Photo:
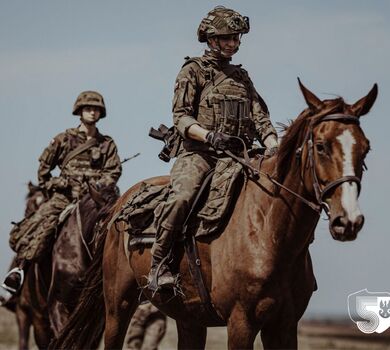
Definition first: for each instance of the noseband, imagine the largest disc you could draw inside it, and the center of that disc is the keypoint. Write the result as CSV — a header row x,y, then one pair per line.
x,y
308,140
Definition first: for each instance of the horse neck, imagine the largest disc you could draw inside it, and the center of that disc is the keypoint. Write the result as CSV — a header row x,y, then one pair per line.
x,y
76,232
284,223
88,212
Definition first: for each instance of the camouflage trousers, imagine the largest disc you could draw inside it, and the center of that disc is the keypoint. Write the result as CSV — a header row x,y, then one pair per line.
x,y
187,176
34,236
147,328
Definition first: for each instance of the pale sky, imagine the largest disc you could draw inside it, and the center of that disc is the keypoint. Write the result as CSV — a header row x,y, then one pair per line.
x,y
132,51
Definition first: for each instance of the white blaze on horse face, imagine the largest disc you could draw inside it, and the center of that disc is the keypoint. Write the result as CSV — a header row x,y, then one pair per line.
x,y
349,198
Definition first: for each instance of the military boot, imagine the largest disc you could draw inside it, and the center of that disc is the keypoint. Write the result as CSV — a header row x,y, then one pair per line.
x,y
160,275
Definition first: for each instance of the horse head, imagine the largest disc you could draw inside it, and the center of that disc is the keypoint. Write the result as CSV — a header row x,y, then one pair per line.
x,y
332,153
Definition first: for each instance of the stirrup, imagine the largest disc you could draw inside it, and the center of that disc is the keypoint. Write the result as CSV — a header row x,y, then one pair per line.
x,y
21,274
153,284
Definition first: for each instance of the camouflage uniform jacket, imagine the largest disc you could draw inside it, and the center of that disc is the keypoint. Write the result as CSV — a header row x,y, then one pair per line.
x,y
99,164
189,110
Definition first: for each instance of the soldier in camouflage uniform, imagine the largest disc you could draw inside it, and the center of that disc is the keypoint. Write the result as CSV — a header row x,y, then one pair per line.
x,y
84,156
147,328
214,103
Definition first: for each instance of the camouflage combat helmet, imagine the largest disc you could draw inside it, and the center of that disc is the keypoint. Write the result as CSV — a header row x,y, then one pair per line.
x,y
222,21
89,98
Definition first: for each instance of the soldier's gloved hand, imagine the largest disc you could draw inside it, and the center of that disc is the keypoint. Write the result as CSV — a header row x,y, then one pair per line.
x,y
221,141
271,142
269,152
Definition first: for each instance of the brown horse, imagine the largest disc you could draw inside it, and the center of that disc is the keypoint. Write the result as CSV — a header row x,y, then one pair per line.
x,y
258,271
52,285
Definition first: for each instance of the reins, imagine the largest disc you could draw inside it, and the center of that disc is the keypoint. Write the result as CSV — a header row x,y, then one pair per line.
x,y
80,227
308,140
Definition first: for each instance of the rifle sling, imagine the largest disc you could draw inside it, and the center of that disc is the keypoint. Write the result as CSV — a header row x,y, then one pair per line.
x,y
79,149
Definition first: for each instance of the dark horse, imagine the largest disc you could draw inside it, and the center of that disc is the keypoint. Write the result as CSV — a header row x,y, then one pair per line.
x,y
258,271
35,197
52,285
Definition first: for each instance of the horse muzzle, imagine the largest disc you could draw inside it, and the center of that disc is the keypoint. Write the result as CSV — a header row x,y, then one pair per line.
x,y
344,229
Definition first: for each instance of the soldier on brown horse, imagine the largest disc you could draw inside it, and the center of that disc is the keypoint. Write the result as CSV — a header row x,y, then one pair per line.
x,y
258,271
215,108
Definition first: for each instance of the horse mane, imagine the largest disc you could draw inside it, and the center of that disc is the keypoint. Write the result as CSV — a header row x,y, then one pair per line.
x,y
296,131
109,194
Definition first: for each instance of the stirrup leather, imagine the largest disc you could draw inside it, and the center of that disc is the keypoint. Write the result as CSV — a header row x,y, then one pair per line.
x,y
21,274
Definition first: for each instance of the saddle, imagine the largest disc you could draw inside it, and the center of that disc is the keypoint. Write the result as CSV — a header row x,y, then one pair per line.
x,y
213,203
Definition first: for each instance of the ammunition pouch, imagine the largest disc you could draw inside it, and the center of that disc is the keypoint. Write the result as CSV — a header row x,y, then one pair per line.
x,y
171,139
233,118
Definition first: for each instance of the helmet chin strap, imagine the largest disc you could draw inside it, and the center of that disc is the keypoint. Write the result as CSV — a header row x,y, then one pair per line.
x,y
219,53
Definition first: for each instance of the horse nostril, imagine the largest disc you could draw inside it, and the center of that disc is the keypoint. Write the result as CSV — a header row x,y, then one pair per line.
x,y
359,222
340,221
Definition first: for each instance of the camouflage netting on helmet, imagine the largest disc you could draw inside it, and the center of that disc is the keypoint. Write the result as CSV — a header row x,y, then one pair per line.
x,y
222,21
89,98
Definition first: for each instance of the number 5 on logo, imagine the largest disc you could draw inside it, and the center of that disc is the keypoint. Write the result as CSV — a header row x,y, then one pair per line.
x,y
370,311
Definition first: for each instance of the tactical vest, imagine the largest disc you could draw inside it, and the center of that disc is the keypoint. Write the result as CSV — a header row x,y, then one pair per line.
x,y
85,167
227,106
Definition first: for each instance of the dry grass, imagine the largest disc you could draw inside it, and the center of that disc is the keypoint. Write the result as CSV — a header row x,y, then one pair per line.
x,y
313,335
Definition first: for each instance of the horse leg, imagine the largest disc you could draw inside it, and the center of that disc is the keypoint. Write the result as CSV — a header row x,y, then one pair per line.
x,y
120,291
279,336
190,335
59,315
42,332
24,322
241,333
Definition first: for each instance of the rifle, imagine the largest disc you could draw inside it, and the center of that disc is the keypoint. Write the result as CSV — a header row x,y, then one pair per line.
x,y
127,159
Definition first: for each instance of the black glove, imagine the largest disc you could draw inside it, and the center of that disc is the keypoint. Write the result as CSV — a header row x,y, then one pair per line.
x,y
222,142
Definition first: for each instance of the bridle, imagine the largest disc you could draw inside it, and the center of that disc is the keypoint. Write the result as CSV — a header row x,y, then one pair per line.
x,y
320,193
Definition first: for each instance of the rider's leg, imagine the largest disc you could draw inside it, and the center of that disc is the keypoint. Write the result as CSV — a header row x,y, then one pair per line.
x,y
187,176
33,238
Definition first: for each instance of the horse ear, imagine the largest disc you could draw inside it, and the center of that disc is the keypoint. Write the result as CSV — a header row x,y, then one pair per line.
x,y
364,105
31,186
314,103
